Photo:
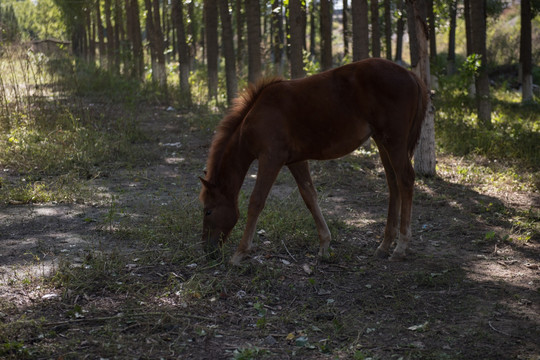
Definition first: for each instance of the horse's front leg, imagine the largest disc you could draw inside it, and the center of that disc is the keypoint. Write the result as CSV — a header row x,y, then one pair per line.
x,y
266,176
301,174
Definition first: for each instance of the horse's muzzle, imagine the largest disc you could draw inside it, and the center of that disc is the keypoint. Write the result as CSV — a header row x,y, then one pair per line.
x,y
212,242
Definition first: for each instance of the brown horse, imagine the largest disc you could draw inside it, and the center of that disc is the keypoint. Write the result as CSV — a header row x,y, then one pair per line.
x,y
324,116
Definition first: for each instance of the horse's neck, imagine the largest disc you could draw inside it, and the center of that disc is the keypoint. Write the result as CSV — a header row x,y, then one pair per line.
x,y
233,168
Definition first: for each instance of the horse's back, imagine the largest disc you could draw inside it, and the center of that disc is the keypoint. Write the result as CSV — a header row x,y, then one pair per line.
x,y
330,114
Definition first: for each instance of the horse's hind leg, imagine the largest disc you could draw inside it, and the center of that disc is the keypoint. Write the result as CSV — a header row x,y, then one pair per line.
x,y
405,181
300,171
392,222
266,176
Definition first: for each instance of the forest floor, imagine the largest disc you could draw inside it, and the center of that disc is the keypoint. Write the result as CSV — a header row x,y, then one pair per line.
x,y
119,273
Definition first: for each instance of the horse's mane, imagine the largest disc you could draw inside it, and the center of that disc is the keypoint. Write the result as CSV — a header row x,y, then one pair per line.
x,y
231,122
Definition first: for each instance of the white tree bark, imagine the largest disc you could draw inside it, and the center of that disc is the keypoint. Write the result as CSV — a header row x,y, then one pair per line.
x,y
424,155
527,87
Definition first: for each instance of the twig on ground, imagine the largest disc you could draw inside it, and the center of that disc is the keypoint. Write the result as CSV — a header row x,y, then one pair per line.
x,y
501,332
288,252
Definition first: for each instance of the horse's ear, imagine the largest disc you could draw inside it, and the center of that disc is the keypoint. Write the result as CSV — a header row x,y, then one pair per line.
x,y
206,183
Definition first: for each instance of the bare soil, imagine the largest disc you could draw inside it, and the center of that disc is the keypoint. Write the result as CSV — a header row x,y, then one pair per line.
x,y
470,288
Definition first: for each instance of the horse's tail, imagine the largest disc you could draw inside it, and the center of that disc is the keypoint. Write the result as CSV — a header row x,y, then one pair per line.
x,y
419,116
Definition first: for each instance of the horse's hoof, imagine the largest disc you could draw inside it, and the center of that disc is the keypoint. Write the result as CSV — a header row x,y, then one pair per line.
x,y
236,259
381,254
398,256
324,253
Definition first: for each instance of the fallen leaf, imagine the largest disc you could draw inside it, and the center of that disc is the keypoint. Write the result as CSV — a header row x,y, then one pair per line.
x,y
307,269
323,292
301,341
49,296
419,327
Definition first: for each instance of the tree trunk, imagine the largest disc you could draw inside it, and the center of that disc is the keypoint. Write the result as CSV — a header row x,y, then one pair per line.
x,y
211,30
388,28
110,36
375,30
130,64
326,34
253,12
432,33
150,34
183,50
313,31
303,14
469,43
411,27
266,24
525,52
228,50
138,53
130,27
118,21
77,39
468,36
424,155
451,67
240,25
399,32
166,28
123,35
101,35
193,30
278,39
295,21
478,32
287,31
91,33
155,36
359,9
345,18
160,47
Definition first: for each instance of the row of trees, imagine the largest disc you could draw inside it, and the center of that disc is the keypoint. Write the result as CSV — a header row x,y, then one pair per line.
x,y
23,20
118,33
9,25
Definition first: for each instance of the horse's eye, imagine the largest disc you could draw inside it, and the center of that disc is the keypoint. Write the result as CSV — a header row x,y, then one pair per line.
x,y
207,212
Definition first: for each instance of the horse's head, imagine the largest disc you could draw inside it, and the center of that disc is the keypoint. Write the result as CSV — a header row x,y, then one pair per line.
x,y
220,216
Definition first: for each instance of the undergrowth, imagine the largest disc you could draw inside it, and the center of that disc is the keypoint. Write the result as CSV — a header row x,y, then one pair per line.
x,y
51,139
513,136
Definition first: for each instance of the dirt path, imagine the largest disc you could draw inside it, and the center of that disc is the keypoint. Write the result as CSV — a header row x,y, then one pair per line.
x,y
463,293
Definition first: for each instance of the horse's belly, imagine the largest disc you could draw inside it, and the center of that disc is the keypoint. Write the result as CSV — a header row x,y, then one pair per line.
x,y
336,150
333,143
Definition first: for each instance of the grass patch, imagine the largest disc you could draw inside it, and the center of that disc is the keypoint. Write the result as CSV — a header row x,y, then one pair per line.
x,y
50,141
515,131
